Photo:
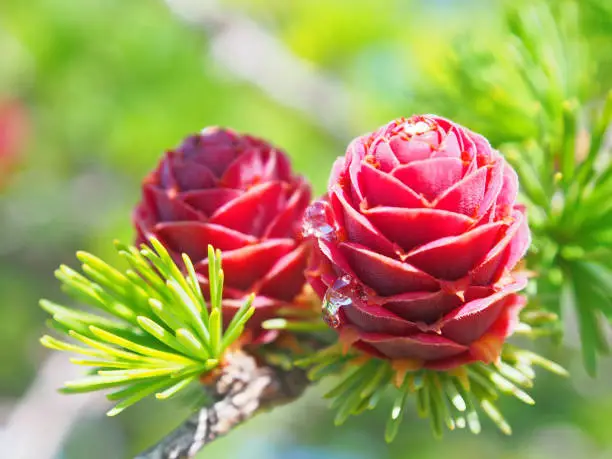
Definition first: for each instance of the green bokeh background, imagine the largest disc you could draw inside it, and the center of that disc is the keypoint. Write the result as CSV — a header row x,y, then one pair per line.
x,y
110,84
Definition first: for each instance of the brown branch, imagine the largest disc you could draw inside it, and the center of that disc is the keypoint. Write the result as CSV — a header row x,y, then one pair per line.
x,y
243,388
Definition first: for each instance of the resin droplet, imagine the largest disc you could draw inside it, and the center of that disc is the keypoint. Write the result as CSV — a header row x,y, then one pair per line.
x,y
318,222
337,297
420,127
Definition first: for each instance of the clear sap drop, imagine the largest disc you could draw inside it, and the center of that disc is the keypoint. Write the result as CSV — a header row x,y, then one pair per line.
x,y
337,297
317,222
420,127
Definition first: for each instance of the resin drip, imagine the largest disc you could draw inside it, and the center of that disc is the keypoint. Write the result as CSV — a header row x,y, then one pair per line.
x,y
338,297
318,223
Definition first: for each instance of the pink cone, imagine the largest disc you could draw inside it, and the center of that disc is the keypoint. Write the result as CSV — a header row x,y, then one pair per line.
x,y
14,127
239,194
417,239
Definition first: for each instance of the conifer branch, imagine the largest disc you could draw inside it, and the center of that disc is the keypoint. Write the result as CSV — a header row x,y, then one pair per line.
x,y
149,331
243,389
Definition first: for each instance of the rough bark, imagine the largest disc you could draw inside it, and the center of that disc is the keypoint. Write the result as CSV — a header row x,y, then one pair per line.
x,y
243,388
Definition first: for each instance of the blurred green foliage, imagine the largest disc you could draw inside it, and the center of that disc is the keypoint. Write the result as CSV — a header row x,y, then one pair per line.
x,y
110,84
